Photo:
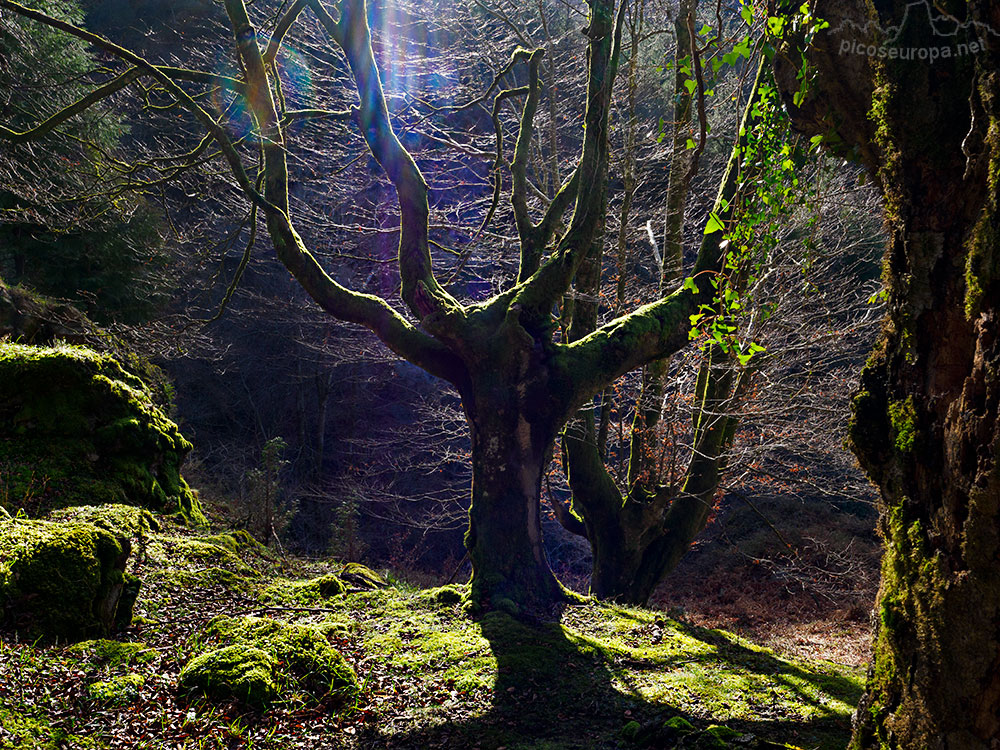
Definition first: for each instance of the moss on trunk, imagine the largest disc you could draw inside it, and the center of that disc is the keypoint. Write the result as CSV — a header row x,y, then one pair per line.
x,y
926,422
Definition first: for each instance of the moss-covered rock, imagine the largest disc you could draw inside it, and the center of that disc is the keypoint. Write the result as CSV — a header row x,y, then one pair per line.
x,y
120,690
239,671
358,576
60,580
121,520
677,726
113,653
261,661
444,594
77,429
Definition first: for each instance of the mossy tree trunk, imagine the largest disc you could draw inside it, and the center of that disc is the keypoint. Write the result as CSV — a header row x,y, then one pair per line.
x,y
639,532
511,445
926,422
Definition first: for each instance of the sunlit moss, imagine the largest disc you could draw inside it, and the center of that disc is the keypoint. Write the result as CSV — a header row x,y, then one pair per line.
x,y
113,653
261,661
81,430
309,592
59,581
120,690
21,730
637,654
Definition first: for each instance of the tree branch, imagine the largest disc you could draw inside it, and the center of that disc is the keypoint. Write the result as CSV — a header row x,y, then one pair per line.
x,y
368,310
660,328
544,288
47,126
440,313
207,121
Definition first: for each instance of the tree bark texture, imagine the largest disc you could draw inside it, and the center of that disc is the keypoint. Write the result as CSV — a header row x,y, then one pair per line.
x,y
925,422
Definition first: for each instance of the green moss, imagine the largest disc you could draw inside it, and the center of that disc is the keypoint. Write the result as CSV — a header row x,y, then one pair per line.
x,y
708,675
445,594
679,725
212,576
120,690
235,541
903,417
201,551
305,593
982,264
113,653
715,735
59,580
121,520
21,730
301,666
359,576
239,671
630,732
80,430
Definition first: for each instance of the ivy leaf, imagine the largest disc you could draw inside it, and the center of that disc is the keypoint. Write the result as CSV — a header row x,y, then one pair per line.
x,y
714,224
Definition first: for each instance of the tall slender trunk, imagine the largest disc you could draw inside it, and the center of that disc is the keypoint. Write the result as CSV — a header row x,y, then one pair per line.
x,y
640,532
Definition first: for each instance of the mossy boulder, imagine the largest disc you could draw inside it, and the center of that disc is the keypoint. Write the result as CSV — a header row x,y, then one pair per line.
x,y
260,662
61,581
78,429
120,690
304,593
113,653
360,577
449,594
120,520
240,672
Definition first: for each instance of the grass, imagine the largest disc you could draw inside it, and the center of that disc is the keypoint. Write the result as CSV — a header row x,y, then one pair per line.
x,y
431,677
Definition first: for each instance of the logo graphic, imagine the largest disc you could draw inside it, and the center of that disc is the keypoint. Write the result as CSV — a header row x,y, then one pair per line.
x,y
949,37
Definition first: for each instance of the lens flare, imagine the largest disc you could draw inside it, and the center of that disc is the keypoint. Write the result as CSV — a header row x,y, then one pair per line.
x,y
296,86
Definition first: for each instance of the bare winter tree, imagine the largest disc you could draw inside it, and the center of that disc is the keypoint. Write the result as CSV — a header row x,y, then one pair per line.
x,y
520,375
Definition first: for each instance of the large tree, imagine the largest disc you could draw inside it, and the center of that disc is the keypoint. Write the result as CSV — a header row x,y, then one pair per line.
x,y
519,374
914,93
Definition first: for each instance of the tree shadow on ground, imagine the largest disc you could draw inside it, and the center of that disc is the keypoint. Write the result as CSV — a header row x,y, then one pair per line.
x,y
558,689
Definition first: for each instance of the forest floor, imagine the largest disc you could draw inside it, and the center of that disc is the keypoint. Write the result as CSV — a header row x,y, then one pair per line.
x,y
596,676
